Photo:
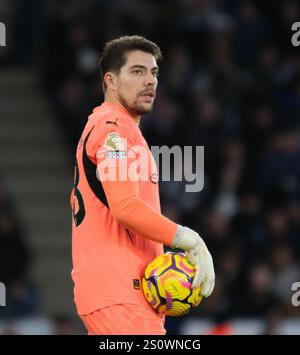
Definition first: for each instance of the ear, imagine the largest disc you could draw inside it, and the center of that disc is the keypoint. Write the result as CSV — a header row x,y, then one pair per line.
x,y
110,80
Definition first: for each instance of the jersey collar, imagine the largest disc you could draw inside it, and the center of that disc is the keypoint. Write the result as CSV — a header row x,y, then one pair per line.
x,y
117,108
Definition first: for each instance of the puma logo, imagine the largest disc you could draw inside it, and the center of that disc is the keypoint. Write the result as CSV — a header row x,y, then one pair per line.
x,y
111,122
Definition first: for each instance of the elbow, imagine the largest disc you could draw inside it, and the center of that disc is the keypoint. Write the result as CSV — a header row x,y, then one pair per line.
x,y
117,215
121,218
122,212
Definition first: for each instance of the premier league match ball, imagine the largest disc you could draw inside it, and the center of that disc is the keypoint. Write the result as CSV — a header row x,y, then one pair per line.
x,y
167,283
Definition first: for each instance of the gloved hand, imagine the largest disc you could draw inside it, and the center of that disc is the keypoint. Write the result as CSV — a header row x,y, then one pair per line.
x,y
199,256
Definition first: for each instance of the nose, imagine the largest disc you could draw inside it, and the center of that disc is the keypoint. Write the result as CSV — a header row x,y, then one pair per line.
x,y
150,79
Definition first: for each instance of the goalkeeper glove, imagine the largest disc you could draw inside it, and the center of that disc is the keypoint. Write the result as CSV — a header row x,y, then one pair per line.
x,y
199,256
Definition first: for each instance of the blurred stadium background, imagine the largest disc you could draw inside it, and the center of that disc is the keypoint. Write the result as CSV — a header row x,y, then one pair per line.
x,y
230,81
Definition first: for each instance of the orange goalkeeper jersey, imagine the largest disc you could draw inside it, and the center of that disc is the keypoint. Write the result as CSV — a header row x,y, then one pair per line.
x,y
117,227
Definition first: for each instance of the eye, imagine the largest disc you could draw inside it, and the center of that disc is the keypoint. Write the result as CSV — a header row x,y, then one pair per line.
x,y
156,74
138,71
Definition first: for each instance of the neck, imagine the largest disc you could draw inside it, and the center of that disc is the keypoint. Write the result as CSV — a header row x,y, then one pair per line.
x,y
113,100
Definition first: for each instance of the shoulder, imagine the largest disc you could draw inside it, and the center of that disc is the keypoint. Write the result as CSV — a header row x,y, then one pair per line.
x,y
108,126
108,120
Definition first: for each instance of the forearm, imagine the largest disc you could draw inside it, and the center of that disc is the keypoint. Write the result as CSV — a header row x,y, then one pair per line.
x,y
136,215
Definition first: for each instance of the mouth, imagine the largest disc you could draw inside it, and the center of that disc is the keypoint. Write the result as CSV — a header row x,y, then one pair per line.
x,y
148,95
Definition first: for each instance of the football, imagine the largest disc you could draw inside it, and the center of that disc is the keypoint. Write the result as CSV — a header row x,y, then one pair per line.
x,y
167,283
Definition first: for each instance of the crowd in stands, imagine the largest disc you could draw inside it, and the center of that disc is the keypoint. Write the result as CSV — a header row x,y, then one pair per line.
x,y
15,258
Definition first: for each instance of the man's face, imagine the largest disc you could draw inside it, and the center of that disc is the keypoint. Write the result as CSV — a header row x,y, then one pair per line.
x,y
136,82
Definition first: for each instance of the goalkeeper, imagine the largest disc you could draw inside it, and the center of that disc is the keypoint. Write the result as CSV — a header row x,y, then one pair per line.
x,y
117,226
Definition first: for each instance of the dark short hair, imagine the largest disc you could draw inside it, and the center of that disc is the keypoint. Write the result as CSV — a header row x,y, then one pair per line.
x,y
115,51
